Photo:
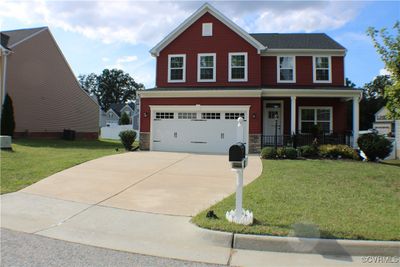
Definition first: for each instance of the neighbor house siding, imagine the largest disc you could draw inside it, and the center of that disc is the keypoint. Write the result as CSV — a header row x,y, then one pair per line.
x,y
45,93
255,126
191,42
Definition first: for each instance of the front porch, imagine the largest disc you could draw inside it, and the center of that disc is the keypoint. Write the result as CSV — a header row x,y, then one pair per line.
x,y
297,117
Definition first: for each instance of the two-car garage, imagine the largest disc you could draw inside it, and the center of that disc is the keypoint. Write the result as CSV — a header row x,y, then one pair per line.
x,y
203,129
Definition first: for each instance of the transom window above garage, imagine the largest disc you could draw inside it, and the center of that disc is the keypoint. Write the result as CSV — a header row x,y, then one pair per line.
x,y
164,115
234,116
187,115
211,116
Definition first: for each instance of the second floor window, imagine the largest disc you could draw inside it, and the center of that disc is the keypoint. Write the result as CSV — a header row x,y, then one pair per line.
x,y
206,68
286,69
322,72
176,68
237,67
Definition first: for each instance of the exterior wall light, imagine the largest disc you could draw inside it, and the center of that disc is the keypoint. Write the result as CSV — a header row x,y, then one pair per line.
x,y
254,115
146,114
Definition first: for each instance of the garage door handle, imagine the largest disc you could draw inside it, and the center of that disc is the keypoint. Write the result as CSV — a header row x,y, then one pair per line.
x,y
198,142
175,134
156,141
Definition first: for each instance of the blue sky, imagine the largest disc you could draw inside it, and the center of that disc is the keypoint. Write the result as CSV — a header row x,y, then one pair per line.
x,y
94,35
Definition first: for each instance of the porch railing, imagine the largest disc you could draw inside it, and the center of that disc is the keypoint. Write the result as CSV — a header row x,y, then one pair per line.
x,y
297,140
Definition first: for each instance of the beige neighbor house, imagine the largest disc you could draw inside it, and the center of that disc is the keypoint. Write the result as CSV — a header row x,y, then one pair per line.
x,y
46,96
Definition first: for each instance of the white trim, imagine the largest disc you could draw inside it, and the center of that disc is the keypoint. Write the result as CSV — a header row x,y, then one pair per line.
x,y
200,93
282,113
155,51
28,37
356,120
283,92
315,115
214,55
205,27
245,66
278,69
183,68
199,109
293,110
310,52
110,109
126,105
315,69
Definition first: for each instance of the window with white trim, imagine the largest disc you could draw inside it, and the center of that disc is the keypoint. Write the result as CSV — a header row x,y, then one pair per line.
x,y
312,116
237,67
210,116
286,69
164,115
207,29
234,116
322,69
187,115
206,67
176,68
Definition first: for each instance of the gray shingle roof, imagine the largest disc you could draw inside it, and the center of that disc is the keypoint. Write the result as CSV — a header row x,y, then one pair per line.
x,y
116,107
297,41
19,35
4,40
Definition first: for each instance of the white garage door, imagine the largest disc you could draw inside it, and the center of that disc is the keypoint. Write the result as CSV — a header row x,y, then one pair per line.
x,y
191,130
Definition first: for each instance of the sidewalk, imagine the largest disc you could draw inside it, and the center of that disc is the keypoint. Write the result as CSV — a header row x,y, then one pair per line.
x,y
145,233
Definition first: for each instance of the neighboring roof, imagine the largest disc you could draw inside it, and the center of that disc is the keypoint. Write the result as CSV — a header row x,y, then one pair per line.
x,y
297,41
4,40
194,17
18,36
382,111
117,107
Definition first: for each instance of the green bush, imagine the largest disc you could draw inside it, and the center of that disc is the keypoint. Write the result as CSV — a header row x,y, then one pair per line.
x,y
337,151
268,153
281,153
7,117
127,139
374,146
124,120
308,151
291,153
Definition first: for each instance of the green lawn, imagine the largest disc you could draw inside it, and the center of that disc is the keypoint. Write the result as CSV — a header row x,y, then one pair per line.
x,y
326,198
33,160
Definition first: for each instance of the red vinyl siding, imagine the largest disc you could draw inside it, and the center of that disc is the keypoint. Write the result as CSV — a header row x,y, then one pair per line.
x,y
268,70
304,70
191,42
338,71
254,103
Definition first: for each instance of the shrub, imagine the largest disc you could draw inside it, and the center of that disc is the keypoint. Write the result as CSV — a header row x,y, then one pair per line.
x,y
7,117
124,120
374,146
268,153
308,151
127,139
291,153
337,151
281,153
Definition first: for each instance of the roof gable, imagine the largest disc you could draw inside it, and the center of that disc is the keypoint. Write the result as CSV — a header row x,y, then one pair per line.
x,y
18,36
194,17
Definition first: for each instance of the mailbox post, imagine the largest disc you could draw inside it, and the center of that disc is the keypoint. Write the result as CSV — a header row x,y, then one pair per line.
x,y
238,160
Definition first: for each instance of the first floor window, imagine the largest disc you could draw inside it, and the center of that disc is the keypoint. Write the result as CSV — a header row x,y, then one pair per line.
x,y
206,68
176,68
319,118
237,67
286,69
322,69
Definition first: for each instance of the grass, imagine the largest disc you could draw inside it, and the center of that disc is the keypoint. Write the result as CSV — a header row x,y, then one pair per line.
x,y
394,162
318,198
33,160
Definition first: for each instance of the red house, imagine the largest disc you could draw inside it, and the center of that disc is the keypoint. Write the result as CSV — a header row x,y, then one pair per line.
x,y
210,72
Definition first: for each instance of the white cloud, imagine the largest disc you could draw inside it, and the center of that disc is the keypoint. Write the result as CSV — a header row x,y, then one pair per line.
x,y
384,72
148,22
126,59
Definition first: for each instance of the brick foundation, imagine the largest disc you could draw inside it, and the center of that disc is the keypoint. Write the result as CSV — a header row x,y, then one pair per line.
x,y
55,135
144,141
254,143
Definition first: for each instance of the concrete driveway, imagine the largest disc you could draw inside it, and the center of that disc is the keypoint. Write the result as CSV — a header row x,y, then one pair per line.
x,y
155,182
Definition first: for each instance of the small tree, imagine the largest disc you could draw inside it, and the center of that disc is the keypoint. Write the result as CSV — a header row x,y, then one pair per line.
x,y
374,146
7,117
124,120
127,139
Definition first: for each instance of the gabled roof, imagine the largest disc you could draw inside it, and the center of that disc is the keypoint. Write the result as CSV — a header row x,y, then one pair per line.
x,y
4,41
194,17
117,107
18,36
297,41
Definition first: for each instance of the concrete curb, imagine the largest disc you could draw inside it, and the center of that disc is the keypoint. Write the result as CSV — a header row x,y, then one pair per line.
x,y
316,245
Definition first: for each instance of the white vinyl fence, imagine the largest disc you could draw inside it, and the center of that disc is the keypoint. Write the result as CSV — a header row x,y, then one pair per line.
x,y
112,132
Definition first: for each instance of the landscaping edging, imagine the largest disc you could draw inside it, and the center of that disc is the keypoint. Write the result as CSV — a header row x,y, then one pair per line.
x,y
316,245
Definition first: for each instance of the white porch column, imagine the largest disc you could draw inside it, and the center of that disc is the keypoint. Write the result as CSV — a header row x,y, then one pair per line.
x,y
356,120
293,114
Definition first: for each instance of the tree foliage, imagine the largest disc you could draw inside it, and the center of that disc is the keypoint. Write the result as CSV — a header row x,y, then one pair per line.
x,y
124,120
111,86
388,48
7,117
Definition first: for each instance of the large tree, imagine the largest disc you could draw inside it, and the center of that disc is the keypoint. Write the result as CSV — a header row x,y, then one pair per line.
x,y
111,86
389,49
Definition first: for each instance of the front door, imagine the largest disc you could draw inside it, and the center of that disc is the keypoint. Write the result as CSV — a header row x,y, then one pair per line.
x,y
273,117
